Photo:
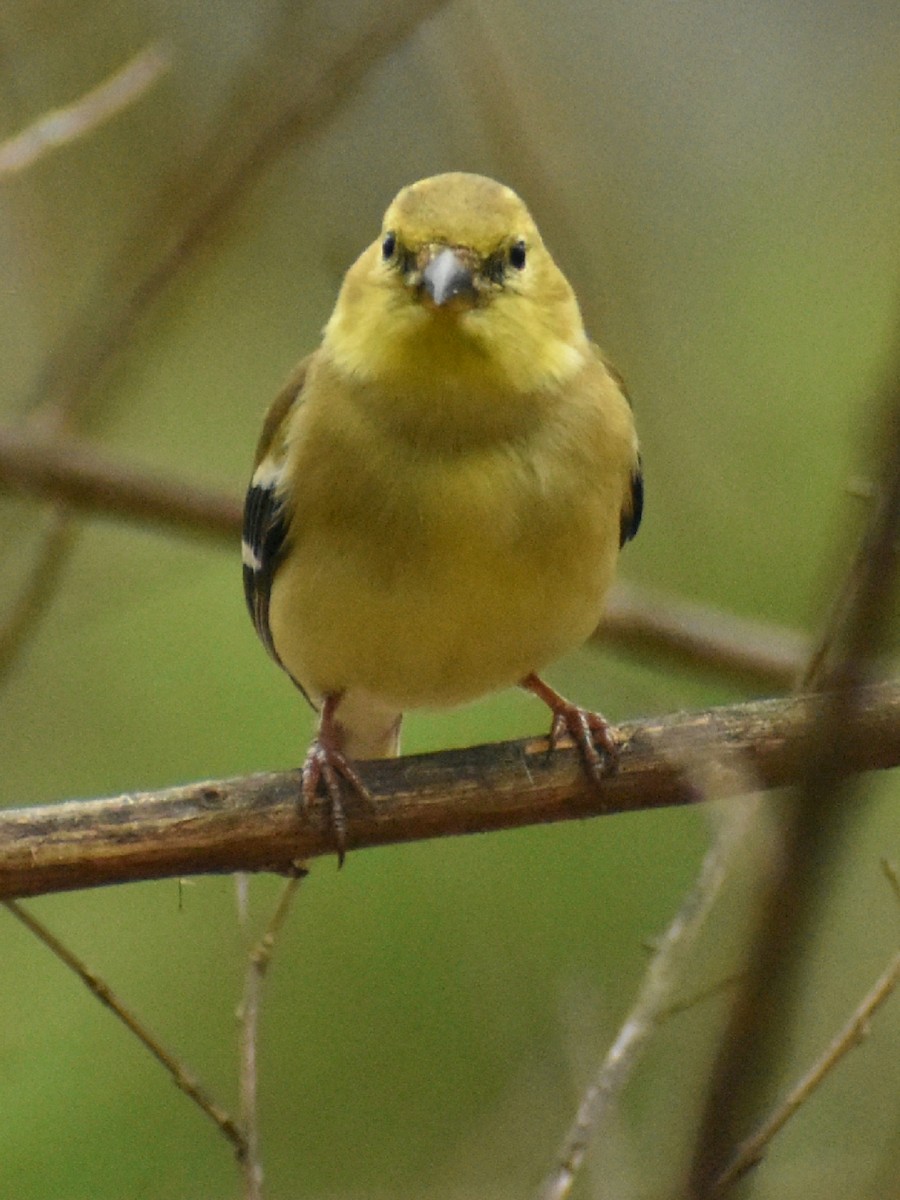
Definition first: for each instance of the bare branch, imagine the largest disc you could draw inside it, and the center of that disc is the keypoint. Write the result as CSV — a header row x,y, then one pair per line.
x,y
183,1079
65,125
256,823
750,1151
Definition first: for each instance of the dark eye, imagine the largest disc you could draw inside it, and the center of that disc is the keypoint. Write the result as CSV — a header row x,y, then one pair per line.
x,y
517,255
389,245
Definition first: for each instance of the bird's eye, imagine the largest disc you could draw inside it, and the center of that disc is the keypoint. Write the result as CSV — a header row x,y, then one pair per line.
x,y
517,255
389,245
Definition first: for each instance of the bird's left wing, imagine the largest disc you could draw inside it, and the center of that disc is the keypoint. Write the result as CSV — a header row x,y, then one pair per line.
x,y
267,514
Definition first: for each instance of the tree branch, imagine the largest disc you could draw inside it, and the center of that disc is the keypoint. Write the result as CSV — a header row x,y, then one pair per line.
x,y
255,823
73,472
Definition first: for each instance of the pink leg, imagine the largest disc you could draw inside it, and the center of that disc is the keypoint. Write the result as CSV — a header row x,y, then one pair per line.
x,y
590,732
325,764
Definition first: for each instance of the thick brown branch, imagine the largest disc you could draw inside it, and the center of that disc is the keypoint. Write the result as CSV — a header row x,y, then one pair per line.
x,y
255,823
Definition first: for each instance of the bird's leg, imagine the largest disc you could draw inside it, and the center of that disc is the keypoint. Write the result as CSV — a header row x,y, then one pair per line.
x,y
590,732
325,764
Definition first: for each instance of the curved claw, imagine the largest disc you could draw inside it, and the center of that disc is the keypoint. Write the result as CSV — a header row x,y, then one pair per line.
x,y
326,764
590,731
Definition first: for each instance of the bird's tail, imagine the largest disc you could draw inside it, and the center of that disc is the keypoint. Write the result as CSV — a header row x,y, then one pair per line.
x,y
370,728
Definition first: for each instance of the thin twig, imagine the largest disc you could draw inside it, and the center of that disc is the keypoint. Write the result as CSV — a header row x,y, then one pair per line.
x,y
701,995
257,823
826,646
257,964
652,1004
64,125
183,1079
750,1151
37,590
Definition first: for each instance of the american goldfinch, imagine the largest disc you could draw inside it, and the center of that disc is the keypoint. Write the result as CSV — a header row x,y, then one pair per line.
x,y
441,489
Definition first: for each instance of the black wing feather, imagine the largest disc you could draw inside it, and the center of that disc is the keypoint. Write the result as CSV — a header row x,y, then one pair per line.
x,y
267,515
630,520
265,542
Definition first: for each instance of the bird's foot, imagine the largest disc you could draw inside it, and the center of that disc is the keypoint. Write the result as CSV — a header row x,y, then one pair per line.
x,y
590,731
325,767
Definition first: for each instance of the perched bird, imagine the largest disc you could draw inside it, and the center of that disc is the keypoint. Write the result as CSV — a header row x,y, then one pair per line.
x,y
441,489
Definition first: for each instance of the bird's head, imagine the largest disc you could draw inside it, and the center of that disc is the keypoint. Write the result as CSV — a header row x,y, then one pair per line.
x,y
458,286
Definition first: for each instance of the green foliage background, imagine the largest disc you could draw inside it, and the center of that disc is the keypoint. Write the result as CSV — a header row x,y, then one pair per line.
x,y
720,182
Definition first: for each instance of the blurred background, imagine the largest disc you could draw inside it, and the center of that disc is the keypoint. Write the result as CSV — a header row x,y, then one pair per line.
x,y
720,183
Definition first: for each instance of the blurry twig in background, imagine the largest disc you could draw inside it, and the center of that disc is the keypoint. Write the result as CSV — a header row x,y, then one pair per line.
x,y
653,1003
183,1079
254,823
749,1153
76,120
681,632
71,472
650,624
811,827
891,875
37,589
821,660
710,992
257,965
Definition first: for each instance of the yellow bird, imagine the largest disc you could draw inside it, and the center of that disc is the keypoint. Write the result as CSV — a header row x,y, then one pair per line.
x,y
442,488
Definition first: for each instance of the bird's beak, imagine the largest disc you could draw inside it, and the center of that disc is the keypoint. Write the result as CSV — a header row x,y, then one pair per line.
x,y
446,276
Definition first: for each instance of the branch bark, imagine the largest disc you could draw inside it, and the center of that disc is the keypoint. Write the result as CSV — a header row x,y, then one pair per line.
x,y
255,823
